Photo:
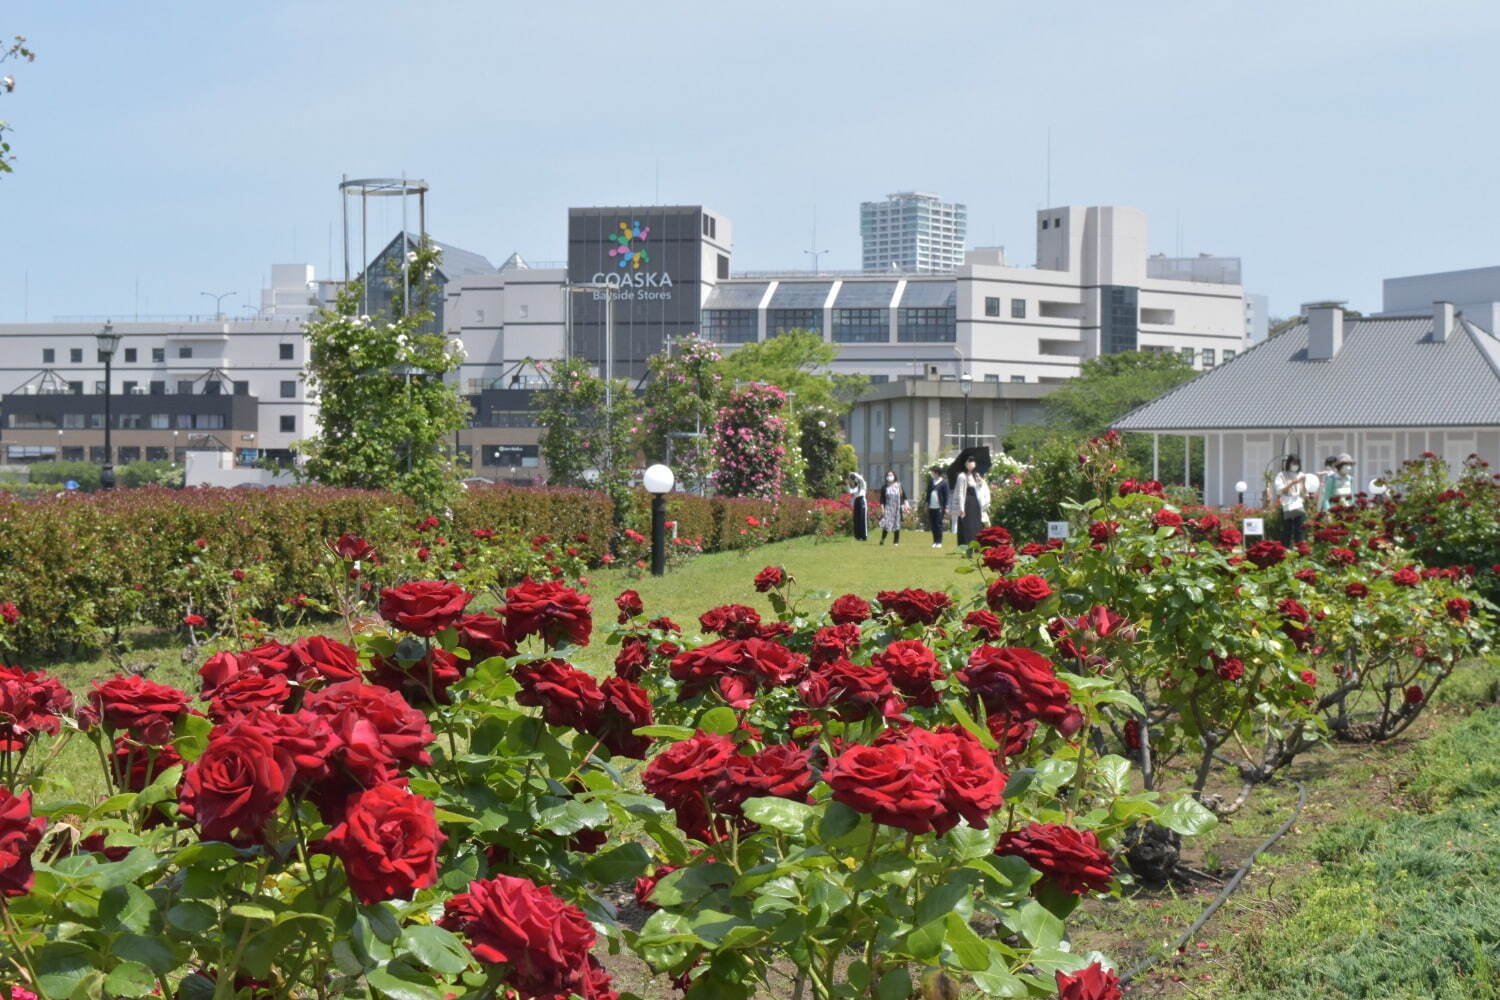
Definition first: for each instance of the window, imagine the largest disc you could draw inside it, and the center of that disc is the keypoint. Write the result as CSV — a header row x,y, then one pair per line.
x,y
288,390
161,421
184,352
156,454
184,421
73,420
209,421
158,354
131,421
1017,308
779,321
288,424
1018,378
1210,357
1228,356
1187,354
931,324
131,388
992,305
75,388
1057,223
130,355
30,452
129,454
1044,223
157,388
992,378
861,326
879,379
723,268
97,454
99,387
49,356
184,387
523,456
1119,327
72,454
30,421
525,312
213,387
286,351
730,326
242,388
75,355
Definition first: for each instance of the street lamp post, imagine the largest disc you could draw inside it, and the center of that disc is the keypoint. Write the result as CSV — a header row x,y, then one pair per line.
x,y
890,447
658,481
965,383
218,301
1240,488
107,341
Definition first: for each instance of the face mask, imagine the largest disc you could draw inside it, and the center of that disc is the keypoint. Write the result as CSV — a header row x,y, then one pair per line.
x,y
890,479
1294,467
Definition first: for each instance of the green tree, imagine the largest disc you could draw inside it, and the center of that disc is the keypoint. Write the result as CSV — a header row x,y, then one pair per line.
x,y
682,398
386,411
581,433
818,428
15,50
798,362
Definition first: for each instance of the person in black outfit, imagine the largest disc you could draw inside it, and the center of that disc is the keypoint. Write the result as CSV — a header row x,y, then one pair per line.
x,y
937,505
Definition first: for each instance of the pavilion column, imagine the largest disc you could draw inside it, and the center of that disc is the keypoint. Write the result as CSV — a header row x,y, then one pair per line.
x,y
1156,457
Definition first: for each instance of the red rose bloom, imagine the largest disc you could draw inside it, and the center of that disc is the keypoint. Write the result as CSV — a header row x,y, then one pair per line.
x,y
1091,983
631,660
352,547
566,695
549,609
894,783
320,658
1000,558
1357,590
1342,557
627,707
854,689
306,738
1102,531
732,621
1414,695
233,790
782,771
1021,684
484,636
1013,735
1166,519
1266,553
1405,577
19,834
834,642
1026,592
987,625
543,941
848,610
686,770
1458,608
912,667
148,710
1229,668
195,621
915,607
992,536
630,605
10,612
424,607
389,842
972,784
1291,609
378,731
249,692
739,666
1229,538
30,703
1070,860
770,578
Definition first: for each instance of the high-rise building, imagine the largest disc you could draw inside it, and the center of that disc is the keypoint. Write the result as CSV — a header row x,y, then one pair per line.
x,y
912,231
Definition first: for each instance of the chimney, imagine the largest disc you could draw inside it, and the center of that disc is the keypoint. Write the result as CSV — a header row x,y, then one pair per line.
x,y
1442,322
1325,330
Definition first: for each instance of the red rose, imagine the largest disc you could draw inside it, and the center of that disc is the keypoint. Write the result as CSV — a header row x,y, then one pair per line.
x,y
1092,983
424,607
770,578
739,666
30,703
1070,860
194,621
1026,592
627,707
233,790
972,784
566,695
1165,518
894,783
1012,734
1102,531
552,610
834,642
1309,677
388,841
1405,577
1266,553
543,942
1229,538
1229,668
732,621
248,692
273,658
484,636
1033,549
1000,558
686,770
634,655
992,536
305,737
1293,610
19,834
664,624
148,710
645,885
1022,684
985,623
378,732
912,667
320,658
630,605
854,689
1414,695
423,682
351,547
782,771
915,607
848,610
10,612
1357,590
1458,608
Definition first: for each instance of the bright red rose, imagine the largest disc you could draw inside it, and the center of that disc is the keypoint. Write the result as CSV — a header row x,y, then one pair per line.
x,y
1229,668
389,842
552,610
1266,553
634,655
972,784
849,610
249,691
1070,860
1033,549
1026,592
627,707
1102,531
833,642
1165,518
894,783
1291,609
1091,983
1228,538
854,689
1405,577
10,612
1414,695
770,578
233,790
912,667
738,666
378,731
352,547
1342,557
424,607
630,605
1022,684
732,621
992,536
1309,677
1000,558
484,636
1013,735
273,658
1458,608
148,710
543,942
566,695
424,682
782,771
686,770
915,607
985,623
1357,590
30,703
321,658
307,739
19,834
194,621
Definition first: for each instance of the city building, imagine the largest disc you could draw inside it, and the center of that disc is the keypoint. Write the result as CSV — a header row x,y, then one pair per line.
x,y
1383,389
913,232
386,284
1474,292
1211,269
1257,318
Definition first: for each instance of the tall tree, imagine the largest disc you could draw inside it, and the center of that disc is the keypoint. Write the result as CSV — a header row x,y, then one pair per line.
x,y
586,440
679,406
386,412
798,362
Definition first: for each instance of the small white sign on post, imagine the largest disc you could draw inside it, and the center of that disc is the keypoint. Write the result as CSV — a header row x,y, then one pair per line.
x,y
1057,529
1254,526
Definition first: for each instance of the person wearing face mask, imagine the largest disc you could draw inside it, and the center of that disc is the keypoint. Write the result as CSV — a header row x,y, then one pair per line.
x,y
970,500
1338,485
1290,487
893,507
854,484
937,505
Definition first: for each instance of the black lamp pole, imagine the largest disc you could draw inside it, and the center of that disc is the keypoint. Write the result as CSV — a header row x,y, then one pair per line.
x,y
107,340
658,534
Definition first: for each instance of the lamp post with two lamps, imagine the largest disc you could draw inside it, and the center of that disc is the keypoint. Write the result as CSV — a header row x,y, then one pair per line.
x,y
108,341
658,481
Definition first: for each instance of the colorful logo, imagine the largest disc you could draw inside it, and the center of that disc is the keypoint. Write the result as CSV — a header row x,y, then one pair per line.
x,y
630,246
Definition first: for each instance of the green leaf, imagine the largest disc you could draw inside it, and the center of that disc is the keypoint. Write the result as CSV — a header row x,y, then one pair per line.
x,y
573,816
838,821
1036,924
252,912
190,736
130,979
619,864
981,733
61,966
138,862
1052,774
970,951
1187,816
894,985
192,917
399,982
925,943
779,814
151,952
126,906
675,733
440,950
1019,782
719,720
1114,773
688,885
945,897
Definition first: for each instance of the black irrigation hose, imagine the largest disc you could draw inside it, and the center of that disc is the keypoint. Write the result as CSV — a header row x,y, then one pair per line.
x,y
1225,893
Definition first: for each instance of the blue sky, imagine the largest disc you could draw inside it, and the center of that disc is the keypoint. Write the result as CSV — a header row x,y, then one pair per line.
x,y
184,147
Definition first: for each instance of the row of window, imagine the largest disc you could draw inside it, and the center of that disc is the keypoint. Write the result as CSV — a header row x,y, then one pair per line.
x,y
130,421
914,324
158,354
185,387
992,307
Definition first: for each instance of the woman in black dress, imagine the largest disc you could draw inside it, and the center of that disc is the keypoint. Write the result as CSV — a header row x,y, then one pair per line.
x,y
857,490
968,503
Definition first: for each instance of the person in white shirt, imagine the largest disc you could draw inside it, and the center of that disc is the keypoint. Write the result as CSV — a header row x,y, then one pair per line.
x,y
1292,492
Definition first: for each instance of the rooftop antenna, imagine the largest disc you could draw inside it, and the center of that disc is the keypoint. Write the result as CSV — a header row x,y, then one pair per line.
x,y
815,253
1049,168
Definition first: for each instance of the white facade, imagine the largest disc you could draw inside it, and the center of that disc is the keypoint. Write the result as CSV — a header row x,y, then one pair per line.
x,y
914,232
1257,318
519,313
1474,292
